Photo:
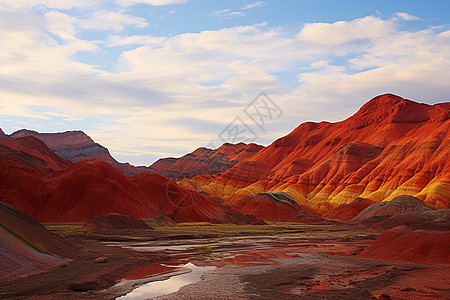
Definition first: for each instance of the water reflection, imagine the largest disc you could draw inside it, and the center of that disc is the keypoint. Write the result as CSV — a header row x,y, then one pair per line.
x,y
168,286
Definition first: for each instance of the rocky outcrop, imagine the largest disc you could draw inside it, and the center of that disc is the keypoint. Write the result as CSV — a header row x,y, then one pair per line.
x,y
402,211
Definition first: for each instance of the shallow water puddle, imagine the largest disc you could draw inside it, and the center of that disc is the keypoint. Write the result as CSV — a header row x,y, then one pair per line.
x,y
187,274
150,270
159,279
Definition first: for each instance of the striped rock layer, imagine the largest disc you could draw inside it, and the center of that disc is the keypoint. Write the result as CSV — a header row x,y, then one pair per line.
x,y
390,147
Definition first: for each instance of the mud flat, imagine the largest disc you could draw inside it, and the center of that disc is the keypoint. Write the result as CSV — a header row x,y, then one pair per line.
x,y
277,261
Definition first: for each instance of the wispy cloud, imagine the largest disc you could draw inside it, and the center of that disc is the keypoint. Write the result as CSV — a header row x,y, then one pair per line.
x,y
406,16
151,2
255,4
117,40
228,13
111,20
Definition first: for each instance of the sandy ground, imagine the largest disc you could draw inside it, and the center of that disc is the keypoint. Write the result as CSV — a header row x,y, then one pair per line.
x,y
319,277
299,265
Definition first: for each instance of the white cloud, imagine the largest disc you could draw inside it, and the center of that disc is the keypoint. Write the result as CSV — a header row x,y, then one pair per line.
x,y
228,13
406,16
21,5
219,13
116,40
343,32
253,5
111,20
236,14
60,24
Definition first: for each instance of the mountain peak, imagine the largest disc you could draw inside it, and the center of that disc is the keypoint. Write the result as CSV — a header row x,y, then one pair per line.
x,y
2,134
71,139
389,108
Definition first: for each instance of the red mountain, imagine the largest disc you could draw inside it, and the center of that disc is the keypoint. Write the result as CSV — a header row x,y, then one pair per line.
x,y
390,147
205,161
77,146
50,189
90,189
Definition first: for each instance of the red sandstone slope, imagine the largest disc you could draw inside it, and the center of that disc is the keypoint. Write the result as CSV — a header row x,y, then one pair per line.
x,y
23,163
404,244
90,189
205,161
27,247
391,146
277,207
182,205
29,151
346,212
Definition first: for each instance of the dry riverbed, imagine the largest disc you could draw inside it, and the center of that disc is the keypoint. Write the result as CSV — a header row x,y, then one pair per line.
x,y
203,261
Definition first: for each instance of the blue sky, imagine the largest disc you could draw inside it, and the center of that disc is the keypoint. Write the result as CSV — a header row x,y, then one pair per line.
x,y
157,78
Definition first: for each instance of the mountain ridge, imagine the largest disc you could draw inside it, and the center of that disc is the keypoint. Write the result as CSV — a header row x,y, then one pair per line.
x,y
390,146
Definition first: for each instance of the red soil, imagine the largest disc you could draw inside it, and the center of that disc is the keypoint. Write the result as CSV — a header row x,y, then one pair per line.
x,y
404,244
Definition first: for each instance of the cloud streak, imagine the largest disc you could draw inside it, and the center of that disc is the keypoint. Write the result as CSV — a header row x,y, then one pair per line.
x,y
227,13
253,5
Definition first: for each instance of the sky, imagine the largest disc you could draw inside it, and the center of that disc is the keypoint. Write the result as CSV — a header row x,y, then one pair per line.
x,y
157,78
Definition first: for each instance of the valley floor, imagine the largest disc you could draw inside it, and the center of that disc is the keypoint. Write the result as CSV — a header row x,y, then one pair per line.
x,y
276,261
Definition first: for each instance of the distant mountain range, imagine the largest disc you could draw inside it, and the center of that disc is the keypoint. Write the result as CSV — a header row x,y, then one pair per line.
x,y
77,146
390,147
